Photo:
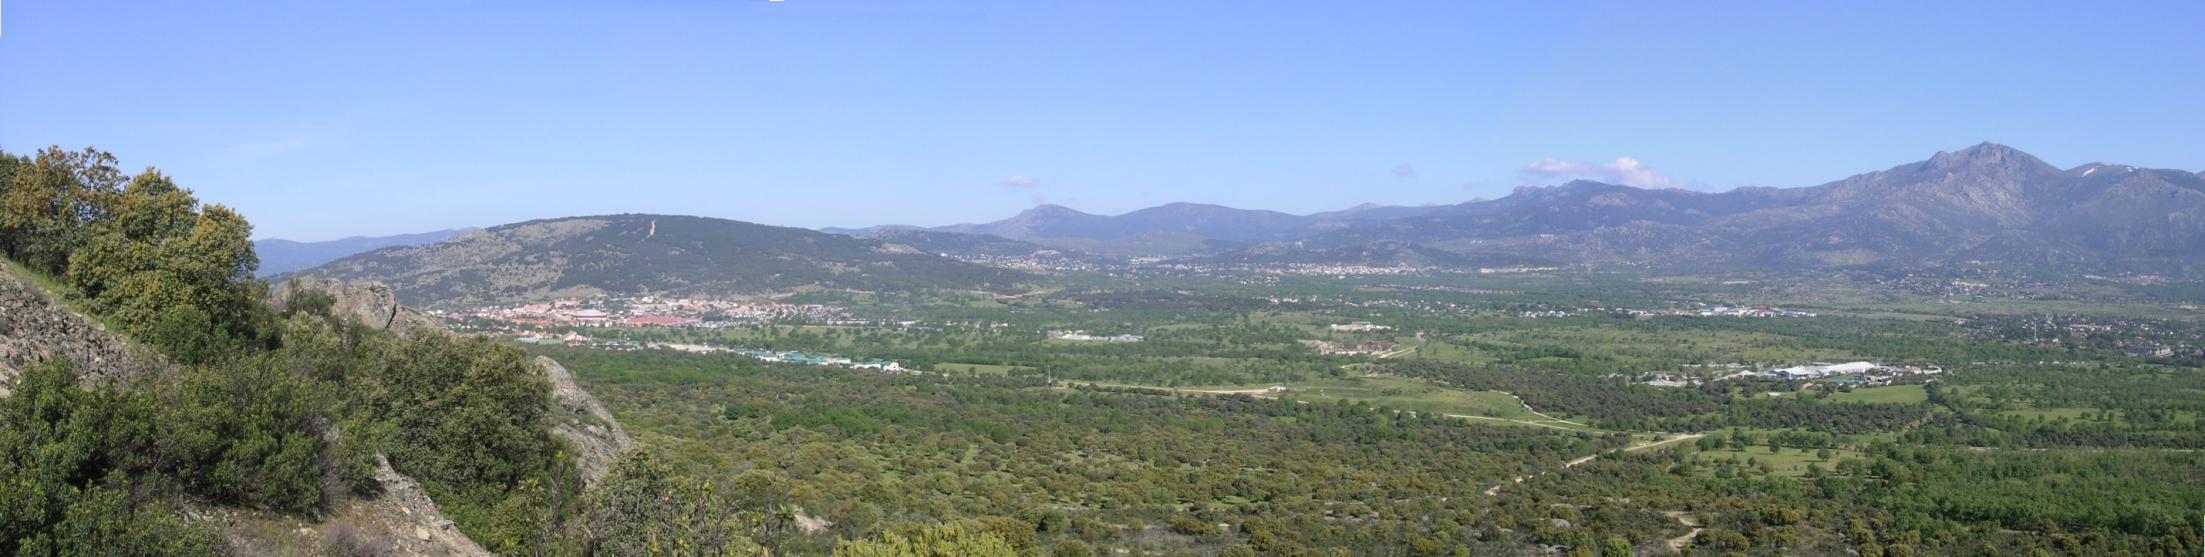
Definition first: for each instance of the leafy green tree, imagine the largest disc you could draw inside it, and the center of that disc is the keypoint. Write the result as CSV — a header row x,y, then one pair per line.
x,y
160,252
464,415
642,508
52,202
245,433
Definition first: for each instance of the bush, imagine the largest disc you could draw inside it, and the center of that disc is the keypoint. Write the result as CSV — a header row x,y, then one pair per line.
x,y
59,498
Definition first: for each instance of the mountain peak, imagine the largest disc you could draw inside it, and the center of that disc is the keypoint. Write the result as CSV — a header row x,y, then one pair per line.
x,y
1985,152
1051,209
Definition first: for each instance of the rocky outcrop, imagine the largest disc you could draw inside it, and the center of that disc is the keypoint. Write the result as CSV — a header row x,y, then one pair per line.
x,y
406,517
35,328
366,302
402,520
598,439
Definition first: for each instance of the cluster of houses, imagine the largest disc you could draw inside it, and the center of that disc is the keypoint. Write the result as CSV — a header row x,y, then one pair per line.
x,y
1752,311
1354,348
1717,311
553,340
1044,261
785,356
648,311
1360,327
1083,336
1865,374
2155,351
1855,374
1515,270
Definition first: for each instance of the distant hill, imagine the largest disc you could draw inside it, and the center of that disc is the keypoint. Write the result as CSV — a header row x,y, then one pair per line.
x,y
1375,253
1208,221
1985,205
1988,204
957,243
1170,229
278,256
660,254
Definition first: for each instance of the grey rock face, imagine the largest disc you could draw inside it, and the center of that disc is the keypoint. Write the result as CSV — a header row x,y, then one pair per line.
x,y
366,302
598,439
36,329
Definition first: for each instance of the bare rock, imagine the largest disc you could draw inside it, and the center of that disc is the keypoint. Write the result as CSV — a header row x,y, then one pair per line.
x,y
35,328
366,302
598,439
404,515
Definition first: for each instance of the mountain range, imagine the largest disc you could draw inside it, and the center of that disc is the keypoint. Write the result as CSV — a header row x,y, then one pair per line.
x,y
1169,229
279,256
1983,206
1986,204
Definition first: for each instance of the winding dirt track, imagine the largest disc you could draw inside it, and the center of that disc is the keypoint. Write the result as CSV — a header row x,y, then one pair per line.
x,y
1678,543
1496,490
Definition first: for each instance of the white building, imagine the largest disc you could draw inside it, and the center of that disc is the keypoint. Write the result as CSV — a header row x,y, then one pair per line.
x,y
1819,369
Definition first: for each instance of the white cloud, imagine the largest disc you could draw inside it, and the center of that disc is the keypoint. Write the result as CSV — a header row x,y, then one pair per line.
x,y
1404,170
1625,170
1019,182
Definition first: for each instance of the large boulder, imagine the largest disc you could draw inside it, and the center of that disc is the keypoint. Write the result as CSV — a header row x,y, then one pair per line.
x,y
366,302
598,439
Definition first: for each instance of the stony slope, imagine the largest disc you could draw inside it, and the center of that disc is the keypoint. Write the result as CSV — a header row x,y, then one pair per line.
x,y
584,422
35,328
403,520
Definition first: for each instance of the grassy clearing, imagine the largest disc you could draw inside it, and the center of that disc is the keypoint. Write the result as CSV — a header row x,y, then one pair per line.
x,y
997,370
2070,413
1791,462
1652,347
1400,394
1893,394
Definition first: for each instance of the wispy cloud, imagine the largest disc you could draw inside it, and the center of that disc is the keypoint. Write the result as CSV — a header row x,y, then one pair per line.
x,y
1404,170
1019,182
1625,170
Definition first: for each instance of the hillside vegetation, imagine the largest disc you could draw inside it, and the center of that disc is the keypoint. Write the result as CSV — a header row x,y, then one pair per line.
x,y
653,254
268,411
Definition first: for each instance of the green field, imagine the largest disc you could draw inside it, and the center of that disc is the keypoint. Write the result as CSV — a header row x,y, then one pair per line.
x,y
1791,462
1894,394
1402,394
998,370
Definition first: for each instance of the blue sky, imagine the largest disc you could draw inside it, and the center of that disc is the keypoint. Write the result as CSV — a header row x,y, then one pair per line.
x,y
327,119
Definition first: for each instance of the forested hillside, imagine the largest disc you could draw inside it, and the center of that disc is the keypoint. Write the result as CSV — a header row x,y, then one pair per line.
x,y
654,254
